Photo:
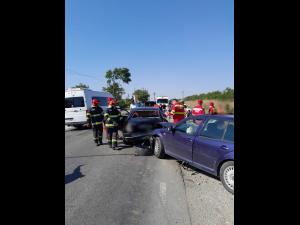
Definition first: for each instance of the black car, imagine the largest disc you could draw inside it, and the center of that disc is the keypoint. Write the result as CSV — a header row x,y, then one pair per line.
x,y
150,103
140,123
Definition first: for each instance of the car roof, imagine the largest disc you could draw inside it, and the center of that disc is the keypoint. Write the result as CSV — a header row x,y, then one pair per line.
x,y
219,115
144,108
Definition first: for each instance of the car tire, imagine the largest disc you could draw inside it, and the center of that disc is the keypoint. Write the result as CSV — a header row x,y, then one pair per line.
x,y
158,148
227,176
78,127
127,143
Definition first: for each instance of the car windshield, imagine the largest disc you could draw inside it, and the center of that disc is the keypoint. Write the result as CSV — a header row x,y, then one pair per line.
x,y
149,103
74,102
162,101
146,113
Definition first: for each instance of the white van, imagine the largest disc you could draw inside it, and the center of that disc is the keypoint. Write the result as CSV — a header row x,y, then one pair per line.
x,y
78,101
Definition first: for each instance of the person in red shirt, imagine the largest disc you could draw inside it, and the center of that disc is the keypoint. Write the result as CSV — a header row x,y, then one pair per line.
x,y
178,112
198,109
212,110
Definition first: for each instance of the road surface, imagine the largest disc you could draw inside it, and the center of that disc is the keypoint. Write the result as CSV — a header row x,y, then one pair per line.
x,y
109,187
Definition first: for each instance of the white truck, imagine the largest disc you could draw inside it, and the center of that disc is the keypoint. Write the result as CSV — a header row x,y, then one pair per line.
x,y
78,101
162,100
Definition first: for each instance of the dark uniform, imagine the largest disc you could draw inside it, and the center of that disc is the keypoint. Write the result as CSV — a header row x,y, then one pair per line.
x,y
112,119
95,117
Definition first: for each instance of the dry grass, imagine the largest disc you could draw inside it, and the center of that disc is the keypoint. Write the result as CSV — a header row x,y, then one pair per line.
x,y
221,106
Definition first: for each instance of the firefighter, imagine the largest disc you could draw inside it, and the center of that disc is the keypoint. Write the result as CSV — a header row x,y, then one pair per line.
x,y
212,110
177,112
95,118
111,119
198,109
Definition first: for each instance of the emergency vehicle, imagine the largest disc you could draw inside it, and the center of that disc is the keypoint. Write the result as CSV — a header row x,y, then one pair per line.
x,y
78,101
162,100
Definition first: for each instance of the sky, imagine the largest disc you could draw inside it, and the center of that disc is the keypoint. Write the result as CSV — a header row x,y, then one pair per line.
x,y
174,48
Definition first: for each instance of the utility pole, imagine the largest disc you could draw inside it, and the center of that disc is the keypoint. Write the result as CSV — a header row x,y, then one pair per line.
x,y
154,95
182,95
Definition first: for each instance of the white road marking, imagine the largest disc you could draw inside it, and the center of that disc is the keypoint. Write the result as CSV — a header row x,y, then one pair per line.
x,y
163,192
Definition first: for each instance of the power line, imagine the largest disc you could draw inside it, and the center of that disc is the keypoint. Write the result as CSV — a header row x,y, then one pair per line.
x,y
81,74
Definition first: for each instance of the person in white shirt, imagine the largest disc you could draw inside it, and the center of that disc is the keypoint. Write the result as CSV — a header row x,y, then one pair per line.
x,y
132,105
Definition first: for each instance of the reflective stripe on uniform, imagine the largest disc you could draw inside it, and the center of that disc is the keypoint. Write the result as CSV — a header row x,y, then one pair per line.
x,y
178,113
114,140
110,125
113,116
88,114
96,115
97,123
106,114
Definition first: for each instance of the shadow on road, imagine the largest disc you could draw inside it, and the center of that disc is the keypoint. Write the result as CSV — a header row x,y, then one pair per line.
x,y
73,176
88,156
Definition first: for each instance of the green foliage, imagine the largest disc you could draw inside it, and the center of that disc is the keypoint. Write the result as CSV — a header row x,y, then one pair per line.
x,y
116,90
124,103
122,74
113,86
141,95
227,94
81,85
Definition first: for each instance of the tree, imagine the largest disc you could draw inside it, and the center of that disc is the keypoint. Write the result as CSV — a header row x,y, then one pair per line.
x,y
115,89
141,95
81,85
112,77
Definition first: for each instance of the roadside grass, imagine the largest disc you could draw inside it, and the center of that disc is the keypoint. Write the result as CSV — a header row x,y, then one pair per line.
x,y
222,106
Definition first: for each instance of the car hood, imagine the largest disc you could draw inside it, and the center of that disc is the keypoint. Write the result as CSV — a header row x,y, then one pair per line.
x,y
166,124
139,120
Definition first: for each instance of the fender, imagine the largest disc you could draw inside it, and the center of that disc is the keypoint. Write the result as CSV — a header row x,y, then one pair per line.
x,y
227,157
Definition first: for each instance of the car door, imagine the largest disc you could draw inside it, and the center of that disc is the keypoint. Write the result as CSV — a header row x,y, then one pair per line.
x,y
182,138
210,145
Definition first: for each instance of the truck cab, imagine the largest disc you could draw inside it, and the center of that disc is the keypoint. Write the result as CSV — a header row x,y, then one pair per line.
x,y
162,100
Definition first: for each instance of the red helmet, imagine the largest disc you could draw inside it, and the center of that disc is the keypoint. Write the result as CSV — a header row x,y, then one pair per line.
x,y
211,104
200,101
111,101
95,102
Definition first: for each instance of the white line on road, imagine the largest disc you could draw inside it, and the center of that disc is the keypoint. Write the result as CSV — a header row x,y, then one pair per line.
x,y
163,192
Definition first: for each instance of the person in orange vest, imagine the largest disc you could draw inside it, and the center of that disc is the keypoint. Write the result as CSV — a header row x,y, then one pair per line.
x,y
212,110
198,109
178,112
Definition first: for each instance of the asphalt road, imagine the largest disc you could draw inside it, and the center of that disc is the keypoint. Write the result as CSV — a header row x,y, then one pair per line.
x,y
109,187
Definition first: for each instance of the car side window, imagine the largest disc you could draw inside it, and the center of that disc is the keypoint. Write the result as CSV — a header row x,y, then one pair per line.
x,y
229,133
189,127
214,128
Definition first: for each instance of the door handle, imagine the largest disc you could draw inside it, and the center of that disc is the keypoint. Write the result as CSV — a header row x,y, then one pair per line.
x,y
224,147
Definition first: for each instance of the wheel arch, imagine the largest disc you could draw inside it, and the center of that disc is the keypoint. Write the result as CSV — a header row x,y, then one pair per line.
x,y
220,165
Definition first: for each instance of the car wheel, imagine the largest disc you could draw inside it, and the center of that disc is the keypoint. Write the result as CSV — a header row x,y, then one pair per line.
x,y
159,150
227,176
127,143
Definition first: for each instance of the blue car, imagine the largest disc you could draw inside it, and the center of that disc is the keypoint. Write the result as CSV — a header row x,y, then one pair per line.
x,y
205,142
